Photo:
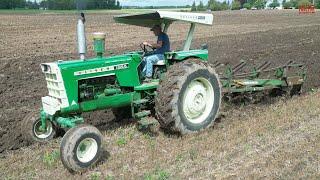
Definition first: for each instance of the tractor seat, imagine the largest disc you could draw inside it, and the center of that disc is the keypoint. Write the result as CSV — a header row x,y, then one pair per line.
x,y
161,62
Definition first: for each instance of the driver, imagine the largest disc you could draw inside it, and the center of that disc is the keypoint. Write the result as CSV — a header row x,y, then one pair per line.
x,y
161,47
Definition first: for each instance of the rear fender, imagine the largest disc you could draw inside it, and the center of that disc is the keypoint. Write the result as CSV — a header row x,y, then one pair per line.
x,y
183,55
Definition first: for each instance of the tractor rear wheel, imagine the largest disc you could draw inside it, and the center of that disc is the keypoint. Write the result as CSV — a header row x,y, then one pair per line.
x,y
188,98
32,124
80,148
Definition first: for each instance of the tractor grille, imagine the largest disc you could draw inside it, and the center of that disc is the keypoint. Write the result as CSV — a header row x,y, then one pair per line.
x,y
57,97
54,86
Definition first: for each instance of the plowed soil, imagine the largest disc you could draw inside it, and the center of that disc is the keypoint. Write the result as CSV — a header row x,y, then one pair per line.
x,y
28,40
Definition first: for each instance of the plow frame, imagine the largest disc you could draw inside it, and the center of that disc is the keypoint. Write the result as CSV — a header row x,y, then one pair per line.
x,y
289,75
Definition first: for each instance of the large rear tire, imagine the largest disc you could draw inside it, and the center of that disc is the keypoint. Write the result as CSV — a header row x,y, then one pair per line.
x,y
31,129
81,148
188,98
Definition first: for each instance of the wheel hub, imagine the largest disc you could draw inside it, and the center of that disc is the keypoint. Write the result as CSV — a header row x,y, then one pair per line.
x,y
87,150
39,132
198,100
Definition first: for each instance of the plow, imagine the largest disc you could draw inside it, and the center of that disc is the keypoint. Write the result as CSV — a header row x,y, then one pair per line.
x,y
285,79
184,95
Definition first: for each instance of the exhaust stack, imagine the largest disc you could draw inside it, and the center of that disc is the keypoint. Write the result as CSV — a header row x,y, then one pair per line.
x,y
82,46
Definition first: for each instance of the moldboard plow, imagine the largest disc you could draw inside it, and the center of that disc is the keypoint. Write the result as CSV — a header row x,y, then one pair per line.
x,y
243,78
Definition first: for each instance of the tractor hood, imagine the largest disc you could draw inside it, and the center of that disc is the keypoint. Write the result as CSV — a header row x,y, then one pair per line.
x,y
88,62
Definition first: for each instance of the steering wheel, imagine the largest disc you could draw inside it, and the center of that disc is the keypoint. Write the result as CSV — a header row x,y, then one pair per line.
x,y
146,49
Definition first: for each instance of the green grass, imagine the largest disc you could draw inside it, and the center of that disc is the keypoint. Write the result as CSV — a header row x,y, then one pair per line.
x,y
95,176
51,158
157,174
122,11
121,141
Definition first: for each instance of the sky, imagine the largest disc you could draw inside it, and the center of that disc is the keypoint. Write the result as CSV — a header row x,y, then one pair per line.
x,y
159,2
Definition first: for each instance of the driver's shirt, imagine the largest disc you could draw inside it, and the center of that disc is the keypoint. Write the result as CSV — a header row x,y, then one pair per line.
x,y
165,44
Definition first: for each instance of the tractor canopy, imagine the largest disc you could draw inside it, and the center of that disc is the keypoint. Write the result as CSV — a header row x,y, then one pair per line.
x,y
165,17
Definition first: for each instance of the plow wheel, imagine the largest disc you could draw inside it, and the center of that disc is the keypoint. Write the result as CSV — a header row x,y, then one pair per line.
x,y
188,98
32,124
80,148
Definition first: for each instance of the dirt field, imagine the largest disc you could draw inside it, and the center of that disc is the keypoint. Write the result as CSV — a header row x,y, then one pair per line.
x,y
261,142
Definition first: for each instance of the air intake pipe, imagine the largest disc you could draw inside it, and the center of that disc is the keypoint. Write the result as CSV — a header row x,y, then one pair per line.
x,y
82,46
99,43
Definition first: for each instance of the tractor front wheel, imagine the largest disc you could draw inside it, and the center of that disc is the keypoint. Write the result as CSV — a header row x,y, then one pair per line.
x,y
32,123
188,98
81,148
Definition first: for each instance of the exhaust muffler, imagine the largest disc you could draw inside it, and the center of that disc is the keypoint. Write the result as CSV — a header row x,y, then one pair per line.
x,y
82,45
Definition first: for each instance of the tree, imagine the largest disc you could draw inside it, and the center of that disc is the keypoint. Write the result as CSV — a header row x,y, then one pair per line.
x,y
283,1
304,3
317,4
287,5
12,4
118,5
217,6
260,4
274,4
247,5
32,5
201,7
235,5
224,5
194,7
80,4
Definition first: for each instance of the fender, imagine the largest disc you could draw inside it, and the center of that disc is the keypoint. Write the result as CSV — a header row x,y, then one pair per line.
x,y
182,55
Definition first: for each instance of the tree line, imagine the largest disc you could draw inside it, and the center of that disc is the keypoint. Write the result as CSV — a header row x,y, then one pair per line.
x,y
60,4
215,5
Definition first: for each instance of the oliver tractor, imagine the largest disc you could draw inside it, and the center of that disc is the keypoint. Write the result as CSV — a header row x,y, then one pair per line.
x,y
184,94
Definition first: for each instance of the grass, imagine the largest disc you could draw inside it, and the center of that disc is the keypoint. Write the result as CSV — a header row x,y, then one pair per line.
x,y
51,158
277,141
157,174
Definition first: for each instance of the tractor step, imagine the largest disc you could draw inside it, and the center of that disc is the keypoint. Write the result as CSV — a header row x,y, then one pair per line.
x,y
140,101
142,114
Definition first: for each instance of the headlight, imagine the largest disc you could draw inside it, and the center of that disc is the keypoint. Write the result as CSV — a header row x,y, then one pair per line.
x,y
45,68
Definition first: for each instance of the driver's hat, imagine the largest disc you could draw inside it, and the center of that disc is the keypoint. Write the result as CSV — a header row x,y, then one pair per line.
x,y
155,27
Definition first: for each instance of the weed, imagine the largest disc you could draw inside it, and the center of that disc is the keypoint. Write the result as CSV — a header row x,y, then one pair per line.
x,y
8,178
158,174
247,148
95,176
179,157
193,153
121,141
109,177
50,158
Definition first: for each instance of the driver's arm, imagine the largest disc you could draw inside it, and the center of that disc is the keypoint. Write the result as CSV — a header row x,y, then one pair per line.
x,y
155,46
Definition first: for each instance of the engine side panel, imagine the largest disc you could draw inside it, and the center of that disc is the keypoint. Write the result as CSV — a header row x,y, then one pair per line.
x,y
124,68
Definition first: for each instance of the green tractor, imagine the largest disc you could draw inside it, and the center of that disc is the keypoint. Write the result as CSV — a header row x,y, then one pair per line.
x,y
184,94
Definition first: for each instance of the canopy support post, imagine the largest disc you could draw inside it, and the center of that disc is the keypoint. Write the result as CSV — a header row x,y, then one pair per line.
x,y
187,44
166,27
